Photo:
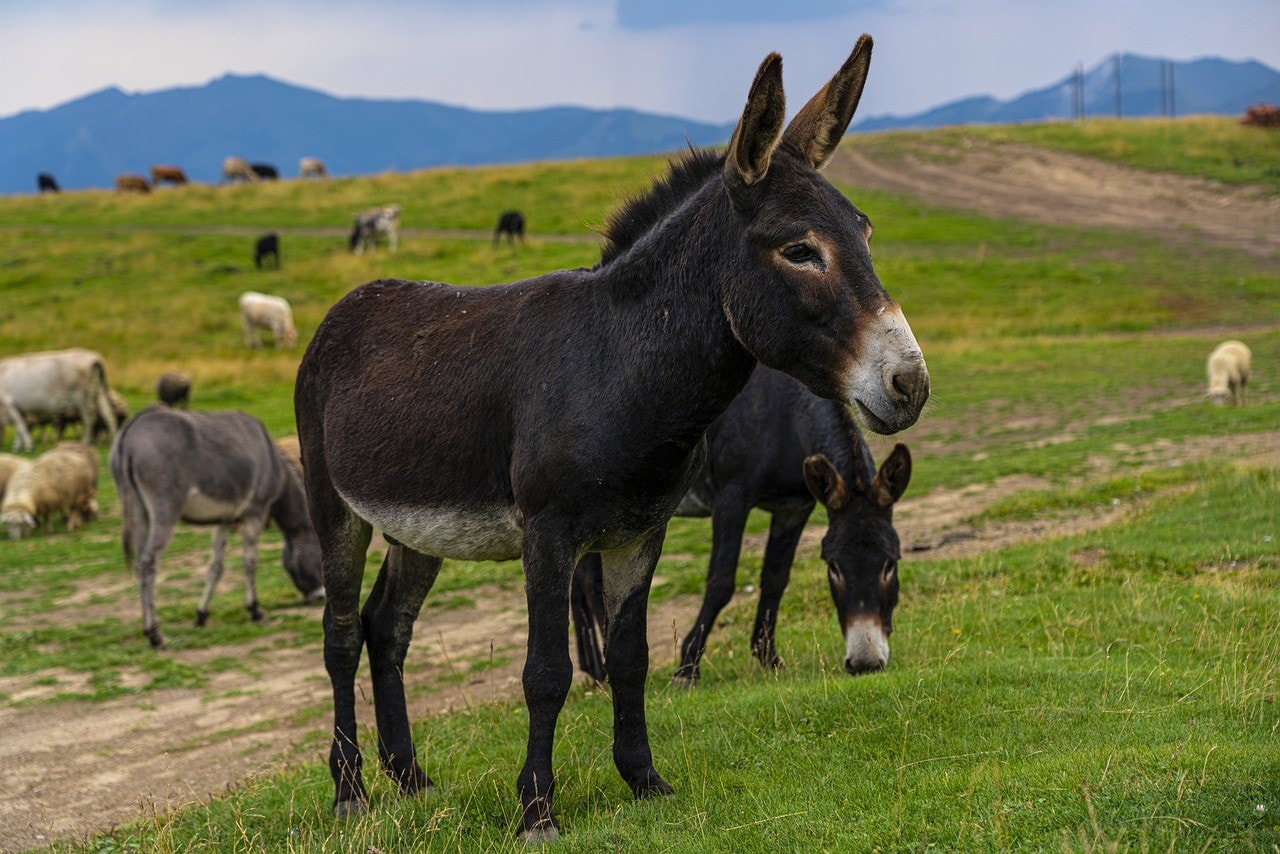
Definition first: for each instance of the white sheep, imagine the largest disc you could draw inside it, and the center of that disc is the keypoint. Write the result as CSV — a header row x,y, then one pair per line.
x,y
8,465
263,311
1228,368
61,481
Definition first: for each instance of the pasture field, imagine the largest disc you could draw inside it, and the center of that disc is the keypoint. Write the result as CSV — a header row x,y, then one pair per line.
x,y
1086,654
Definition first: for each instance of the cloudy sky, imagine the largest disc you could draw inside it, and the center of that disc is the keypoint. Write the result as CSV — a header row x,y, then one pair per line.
x,y
691,58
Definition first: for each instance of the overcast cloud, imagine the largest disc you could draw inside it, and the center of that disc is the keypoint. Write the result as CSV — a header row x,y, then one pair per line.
x,y
680,57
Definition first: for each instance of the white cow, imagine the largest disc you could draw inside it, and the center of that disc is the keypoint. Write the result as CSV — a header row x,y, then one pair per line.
x,y
264,311
43,386
311,167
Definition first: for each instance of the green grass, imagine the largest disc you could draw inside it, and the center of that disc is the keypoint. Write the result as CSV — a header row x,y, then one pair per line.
x,y
1114,690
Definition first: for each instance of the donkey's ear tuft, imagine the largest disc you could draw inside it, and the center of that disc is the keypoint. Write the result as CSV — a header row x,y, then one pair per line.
x,y
756,136
816,130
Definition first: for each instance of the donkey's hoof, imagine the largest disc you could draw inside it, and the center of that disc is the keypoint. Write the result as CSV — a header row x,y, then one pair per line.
x,y
652,786
540,834
684,680
349,809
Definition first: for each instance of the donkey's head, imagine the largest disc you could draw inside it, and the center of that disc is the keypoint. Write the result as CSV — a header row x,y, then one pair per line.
x,y
861,550
803,297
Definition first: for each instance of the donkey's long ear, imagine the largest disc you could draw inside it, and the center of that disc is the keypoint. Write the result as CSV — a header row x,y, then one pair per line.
x,y
816,130
756,136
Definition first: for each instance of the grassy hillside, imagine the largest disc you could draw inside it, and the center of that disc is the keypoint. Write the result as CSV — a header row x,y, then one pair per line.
x,y
1109,689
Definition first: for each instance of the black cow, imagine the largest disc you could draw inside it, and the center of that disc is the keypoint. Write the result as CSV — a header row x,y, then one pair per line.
x,y
268,246
511,223
45,183
265,171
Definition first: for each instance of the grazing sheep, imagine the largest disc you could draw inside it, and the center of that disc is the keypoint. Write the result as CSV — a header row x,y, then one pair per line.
x,y
292,450
8,465
61,481
168,175
1228,369
263,311
173,389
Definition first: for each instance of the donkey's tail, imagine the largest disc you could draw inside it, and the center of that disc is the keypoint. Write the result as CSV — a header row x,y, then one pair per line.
x,y
131,507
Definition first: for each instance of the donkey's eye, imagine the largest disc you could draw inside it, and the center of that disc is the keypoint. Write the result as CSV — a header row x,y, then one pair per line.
x,y
801,253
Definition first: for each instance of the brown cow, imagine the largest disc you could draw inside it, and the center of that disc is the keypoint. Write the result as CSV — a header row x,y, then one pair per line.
x,y
167,175
1262,115
132,184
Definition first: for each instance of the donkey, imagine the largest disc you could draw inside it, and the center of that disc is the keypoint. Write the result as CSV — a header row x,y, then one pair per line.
x,y
209,468
781,448
567,413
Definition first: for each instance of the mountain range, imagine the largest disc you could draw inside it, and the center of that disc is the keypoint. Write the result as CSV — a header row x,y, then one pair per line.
x,y
88,141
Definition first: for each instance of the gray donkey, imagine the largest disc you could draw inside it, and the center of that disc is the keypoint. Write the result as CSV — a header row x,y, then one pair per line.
x,y
209,468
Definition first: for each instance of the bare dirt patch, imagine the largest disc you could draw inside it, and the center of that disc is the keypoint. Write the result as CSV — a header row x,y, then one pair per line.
x,y
1024,182
69,769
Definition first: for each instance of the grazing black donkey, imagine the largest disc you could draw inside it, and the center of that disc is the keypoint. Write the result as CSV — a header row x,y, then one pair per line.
x,y
267,249
564,414
781,448
511,223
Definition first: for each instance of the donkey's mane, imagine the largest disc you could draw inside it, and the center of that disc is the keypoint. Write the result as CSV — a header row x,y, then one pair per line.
x,y
641,213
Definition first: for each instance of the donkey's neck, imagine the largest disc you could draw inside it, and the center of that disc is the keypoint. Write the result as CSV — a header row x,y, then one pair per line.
x,y
663,297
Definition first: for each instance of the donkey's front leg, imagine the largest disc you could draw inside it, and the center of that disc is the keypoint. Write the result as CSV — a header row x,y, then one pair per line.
x,y
628,573
548,567
785,530
389,612
250,532
214,573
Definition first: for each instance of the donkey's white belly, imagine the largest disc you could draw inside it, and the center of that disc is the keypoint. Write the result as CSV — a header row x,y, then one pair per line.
x,y
489,534
201,508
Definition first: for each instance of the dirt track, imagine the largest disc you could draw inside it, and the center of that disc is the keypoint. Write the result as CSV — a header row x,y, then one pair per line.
x,y
68,770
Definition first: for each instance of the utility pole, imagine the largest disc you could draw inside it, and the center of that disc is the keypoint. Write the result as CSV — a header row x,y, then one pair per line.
x,y
1116,64
1077,94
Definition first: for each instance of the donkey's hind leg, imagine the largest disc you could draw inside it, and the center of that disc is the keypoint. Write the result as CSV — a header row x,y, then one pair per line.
x,y
403,583
627,576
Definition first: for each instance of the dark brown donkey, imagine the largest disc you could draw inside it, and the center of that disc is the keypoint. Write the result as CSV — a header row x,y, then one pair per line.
x,y
780,448
567,413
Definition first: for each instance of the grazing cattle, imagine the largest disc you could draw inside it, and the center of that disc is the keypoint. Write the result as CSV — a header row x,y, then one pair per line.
x,y
45,183
132,184
42,386
511,223
265,171
1262,115
311,167
208,468
1228,367
270,313
168,175
565,414
781,448
70,417
174,389
373,225
237,169
267,248
62,481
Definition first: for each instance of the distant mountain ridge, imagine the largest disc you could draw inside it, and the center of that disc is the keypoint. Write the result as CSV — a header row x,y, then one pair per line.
x,y
88,141
1200,87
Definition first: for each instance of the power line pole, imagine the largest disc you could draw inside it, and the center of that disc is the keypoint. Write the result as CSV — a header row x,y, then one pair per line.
x,y
1116,64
